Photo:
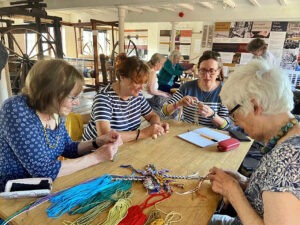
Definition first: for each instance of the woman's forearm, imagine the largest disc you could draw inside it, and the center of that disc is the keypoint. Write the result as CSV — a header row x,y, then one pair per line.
x,y
219,121
169,109
243,208
70,166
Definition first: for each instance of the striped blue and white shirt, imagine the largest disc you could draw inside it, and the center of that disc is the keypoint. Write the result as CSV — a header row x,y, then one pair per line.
x,y
211,99
123,115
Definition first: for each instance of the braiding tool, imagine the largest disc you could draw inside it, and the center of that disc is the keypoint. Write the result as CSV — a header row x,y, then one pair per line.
x,y
135,214
196,188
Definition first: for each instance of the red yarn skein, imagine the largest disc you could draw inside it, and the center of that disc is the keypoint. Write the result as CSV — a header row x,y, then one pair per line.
x,y
135,215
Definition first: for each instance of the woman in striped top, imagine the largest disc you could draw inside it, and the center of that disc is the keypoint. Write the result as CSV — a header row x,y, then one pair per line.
x,y
120,106
200,98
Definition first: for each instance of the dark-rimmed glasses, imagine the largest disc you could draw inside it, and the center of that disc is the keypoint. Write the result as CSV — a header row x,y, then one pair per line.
x,y
230,114
210,71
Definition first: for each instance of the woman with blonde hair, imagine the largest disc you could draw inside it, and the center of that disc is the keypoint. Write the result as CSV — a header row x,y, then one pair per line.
x,y
171,72
155,97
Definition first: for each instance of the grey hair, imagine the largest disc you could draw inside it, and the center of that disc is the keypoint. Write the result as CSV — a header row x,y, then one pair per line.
x,y
268,85
173,54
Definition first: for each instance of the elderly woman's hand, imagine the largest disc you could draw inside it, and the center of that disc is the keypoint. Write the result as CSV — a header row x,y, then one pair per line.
x,y
111,137
106,152
223,183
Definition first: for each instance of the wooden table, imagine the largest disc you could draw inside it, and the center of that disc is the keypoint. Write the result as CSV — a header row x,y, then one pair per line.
x,y
169,152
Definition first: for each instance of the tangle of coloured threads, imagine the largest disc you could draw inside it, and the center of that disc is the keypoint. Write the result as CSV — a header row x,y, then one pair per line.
x,y
135,213
92,213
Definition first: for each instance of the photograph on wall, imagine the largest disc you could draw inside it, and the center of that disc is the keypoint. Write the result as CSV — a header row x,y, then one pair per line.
x,y
183,40
222,30
289,59
240,28
261,29
279,26
164,41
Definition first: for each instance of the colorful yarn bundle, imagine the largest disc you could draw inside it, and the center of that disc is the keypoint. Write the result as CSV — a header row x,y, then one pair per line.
x,y
105,195
92,213
135,214
118,212
68,199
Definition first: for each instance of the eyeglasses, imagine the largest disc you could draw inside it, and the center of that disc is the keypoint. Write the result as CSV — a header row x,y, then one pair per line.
x,y
74,98
230,114
210,71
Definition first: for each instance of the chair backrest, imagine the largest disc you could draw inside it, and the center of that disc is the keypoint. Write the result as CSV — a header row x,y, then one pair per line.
x,y
74,125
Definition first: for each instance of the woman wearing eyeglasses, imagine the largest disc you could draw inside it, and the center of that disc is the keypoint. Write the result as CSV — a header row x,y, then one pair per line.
x,y
121,105
32,129
261,104
200,98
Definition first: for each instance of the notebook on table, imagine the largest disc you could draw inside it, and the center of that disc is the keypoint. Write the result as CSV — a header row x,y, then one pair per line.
x,y
203,136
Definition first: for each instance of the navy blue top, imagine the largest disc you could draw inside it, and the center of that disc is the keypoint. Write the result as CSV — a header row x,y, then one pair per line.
x,y
211,99
24,151
123,115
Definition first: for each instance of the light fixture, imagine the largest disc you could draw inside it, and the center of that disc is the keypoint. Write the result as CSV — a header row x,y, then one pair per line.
x,y
229,3
207,5
255,2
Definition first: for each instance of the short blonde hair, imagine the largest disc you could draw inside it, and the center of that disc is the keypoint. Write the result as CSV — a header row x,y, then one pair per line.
x,y
173,54
49,82
258,80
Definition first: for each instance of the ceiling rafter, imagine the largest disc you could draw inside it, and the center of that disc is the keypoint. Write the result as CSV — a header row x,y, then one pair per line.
x,y
207,5
283,2
186,6
149,8
255,3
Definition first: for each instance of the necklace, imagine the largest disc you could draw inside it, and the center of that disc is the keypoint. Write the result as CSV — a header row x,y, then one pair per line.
x,y
206,94
283,131
47,125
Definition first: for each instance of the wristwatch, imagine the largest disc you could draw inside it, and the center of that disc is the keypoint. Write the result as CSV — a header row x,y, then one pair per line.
x,y
212,116
94,143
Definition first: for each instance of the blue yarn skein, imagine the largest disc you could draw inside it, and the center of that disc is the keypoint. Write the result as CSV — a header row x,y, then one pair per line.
x,y
102,196
66,200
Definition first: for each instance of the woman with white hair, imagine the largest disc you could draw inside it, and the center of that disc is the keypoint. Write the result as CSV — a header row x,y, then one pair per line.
x,y
170,72
260,99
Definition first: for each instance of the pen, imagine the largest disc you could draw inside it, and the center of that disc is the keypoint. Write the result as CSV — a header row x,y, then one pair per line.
x,y
207,137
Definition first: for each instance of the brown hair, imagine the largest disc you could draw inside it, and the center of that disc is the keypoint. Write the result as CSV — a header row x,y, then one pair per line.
x,y
49,82
215,56
256,44
134,69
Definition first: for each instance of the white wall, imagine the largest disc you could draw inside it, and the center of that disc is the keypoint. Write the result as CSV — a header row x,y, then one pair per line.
x,y
154,32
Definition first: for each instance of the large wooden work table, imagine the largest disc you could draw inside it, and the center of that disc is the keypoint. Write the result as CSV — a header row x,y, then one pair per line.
x,y
166,152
